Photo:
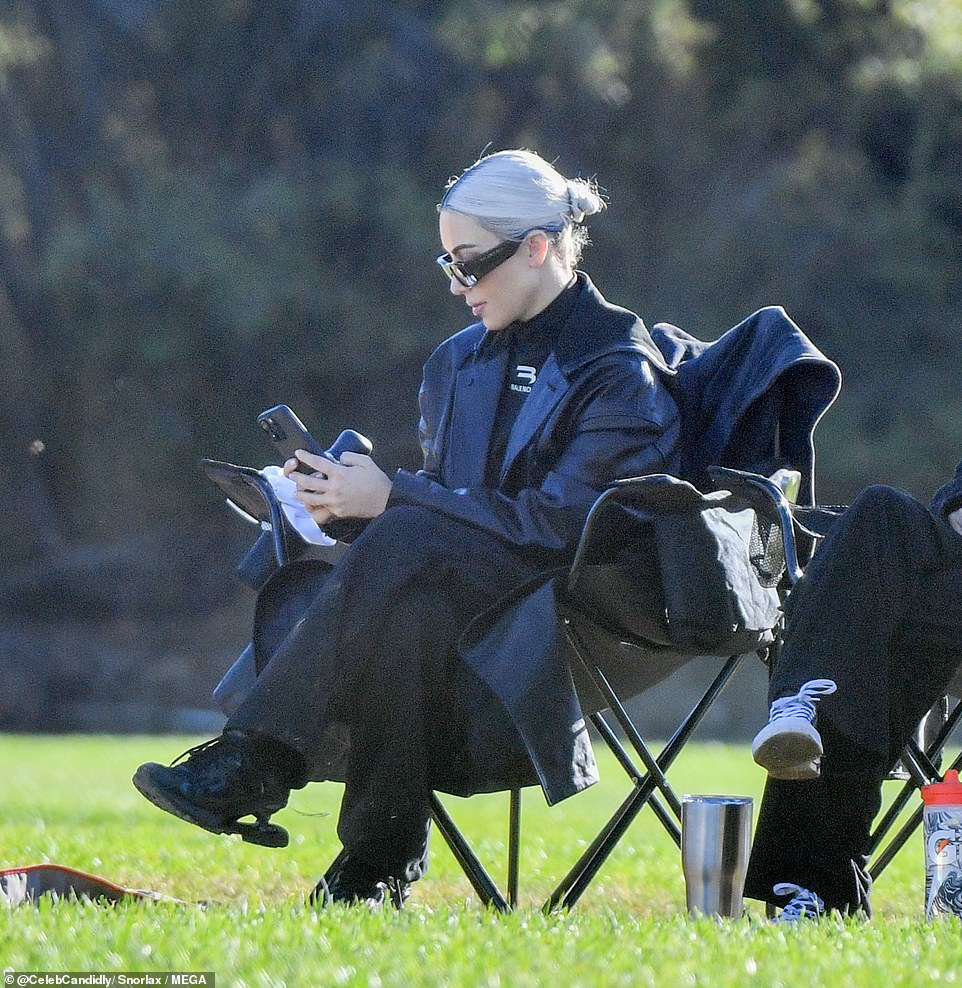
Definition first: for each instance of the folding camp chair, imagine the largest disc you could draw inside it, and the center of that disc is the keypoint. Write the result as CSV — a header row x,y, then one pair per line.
x,y
624,637
751,400
921,759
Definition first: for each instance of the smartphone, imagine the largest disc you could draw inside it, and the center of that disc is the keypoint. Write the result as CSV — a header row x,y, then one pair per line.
x,y
288,433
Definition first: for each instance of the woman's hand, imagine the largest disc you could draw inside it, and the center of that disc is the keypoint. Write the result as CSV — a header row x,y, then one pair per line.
x,y
354,488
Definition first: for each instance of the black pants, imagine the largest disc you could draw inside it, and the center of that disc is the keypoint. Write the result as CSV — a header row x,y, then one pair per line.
x,y
879,610
370,648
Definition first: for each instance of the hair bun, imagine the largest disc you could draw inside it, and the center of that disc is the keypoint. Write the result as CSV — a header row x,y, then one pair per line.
x,y
583,199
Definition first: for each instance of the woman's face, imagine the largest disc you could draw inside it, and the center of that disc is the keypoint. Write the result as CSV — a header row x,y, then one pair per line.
x,y
515,290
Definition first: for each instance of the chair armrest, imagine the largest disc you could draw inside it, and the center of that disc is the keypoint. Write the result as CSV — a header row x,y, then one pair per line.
x,y
769,502
250,494
627,491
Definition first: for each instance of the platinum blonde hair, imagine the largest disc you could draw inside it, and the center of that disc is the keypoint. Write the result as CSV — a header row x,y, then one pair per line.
x,y
511,193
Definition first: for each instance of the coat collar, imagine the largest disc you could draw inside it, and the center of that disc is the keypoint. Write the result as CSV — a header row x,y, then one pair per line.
x,y
594,327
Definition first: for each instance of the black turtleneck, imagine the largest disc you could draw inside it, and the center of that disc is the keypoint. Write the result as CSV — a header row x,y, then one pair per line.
x,y
528,345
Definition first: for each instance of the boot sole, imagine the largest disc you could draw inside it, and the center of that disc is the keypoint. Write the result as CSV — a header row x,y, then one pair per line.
x,y
263,833
789,756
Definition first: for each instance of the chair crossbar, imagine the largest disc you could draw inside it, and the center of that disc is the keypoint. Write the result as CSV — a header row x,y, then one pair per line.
x,y
481,881
898,841
624,759
651,763
922,771
573,885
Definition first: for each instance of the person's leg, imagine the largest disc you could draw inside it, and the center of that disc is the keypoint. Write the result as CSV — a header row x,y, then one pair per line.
x,y
410,733
385,813
867,583
329,649
345,637
815,834
240,774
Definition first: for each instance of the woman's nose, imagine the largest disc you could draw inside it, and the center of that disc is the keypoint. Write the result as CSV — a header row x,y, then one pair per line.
x,y
456,287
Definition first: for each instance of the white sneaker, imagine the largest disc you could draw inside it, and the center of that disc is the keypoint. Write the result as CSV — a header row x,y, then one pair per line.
x,y
804,905
789,746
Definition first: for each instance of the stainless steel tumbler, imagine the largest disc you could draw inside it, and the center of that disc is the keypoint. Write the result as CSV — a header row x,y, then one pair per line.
x,y
716,838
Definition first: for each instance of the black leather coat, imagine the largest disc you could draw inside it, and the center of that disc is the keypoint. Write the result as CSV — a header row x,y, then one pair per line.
x,y
598,411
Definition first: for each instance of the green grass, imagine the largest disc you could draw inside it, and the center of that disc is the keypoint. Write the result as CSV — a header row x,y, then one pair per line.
x,y
69,801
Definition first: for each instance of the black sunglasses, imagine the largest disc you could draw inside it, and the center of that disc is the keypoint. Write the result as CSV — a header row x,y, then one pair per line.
x,y
469,273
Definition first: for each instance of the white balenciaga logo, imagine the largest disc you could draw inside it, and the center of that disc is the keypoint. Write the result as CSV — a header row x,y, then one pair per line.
x,y
526,374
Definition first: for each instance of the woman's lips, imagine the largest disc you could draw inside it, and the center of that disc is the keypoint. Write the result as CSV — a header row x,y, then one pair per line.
x,y
477,308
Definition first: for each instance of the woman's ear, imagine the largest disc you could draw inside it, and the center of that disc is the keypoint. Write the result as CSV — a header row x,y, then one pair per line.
x,y
538,246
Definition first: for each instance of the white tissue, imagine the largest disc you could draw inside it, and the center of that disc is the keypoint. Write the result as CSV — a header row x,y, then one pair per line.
x,y
297,514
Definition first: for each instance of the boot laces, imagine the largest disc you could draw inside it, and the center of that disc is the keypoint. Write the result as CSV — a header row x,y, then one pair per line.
x,y
193,753
398,890
804,904
205,751
352,883
213,762
802,704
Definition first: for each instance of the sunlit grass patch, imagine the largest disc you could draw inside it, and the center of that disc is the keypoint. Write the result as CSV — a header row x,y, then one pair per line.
x,y
69,800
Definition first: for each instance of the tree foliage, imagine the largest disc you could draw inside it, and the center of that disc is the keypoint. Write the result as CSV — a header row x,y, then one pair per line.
x,y
209,206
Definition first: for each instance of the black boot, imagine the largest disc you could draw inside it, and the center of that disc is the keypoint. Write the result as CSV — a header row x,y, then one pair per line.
x,y
348,881
217,783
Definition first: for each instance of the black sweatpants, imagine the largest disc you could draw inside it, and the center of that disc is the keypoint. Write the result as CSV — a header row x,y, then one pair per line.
x,y
372,648
879,610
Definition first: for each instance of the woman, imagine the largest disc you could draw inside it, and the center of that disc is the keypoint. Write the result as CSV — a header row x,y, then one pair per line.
x,y
526,416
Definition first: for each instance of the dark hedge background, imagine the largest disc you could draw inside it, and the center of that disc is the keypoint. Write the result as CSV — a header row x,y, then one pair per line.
x,y
210,206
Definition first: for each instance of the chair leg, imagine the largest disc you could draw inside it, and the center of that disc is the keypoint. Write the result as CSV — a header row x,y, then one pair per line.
x,y
573,885
898,841
921,772
514,846
482,882
652,764
668,821
921,768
